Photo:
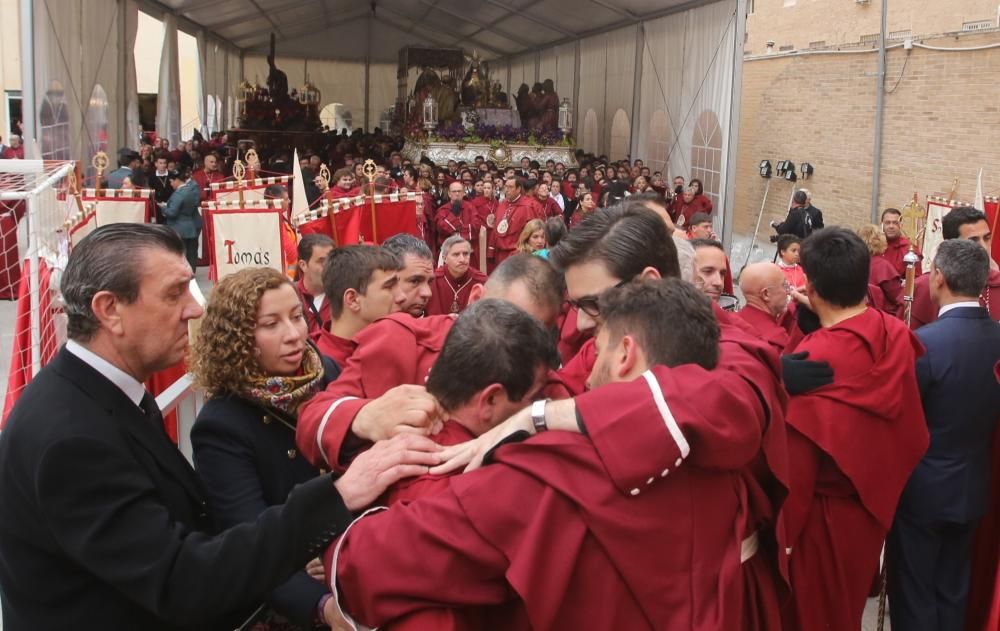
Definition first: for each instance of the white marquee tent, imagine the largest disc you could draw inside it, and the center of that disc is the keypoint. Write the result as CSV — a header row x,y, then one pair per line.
x,y
651,79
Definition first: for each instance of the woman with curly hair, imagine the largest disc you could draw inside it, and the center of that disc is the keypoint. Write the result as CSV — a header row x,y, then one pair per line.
x,y
254,360
532,237
885,285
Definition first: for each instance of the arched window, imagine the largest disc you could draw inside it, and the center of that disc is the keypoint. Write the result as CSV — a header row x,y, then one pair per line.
x,y
658,144
621,132
706,154
336,116
97,121
54,120
590,131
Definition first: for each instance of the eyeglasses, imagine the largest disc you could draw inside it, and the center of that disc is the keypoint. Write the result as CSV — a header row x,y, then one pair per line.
x,y
590,304
786,286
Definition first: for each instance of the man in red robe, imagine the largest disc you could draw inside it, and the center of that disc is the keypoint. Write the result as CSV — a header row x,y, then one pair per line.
x,y
581,554
380,391
852,444
460,217
415,273
766,293
312,252
207,175
961,223
494,362
898,245
453,281
515,211
631,242
361,283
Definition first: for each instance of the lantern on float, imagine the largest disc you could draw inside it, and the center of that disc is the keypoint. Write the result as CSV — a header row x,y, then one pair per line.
x,y
430,113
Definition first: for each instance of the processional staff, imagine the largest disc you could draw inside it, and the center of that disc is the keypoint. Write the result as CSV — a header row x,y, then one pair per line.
x,y
369,171
100,163
324,174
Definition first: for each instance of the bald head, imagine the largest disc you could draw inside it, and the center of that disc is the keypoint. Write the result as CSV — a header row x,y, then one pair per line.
x,y
763,286
530,283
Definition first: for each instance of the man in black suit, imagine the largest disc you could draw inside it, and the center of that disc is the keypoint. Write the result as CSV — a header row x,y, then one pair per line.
x,y
103,523
930,543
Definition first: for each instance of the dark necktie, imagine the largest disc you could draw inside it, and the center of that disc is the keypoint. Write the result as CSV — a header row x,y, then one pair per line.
x,y
152,411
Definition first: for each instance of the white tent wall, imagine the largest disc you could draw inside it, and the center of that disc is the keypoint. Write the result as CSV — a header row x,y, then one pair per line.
x,y
686,98
76,51
559,64
381,91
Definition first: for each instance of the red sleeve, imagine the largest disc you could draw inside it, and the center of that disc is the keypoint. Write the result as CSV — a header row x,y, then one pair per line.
x,y
324,423
445,222
646,428
451,553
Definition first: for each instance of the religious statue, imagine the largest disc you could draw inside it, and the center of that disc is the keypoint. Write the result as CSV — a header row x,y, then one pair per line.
x,y
549,106
476,86
277,81
523,103
429,83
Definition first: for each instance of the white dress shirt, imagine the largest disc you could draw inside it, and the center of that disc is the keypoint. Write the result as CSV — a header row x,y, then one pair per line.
x,y
125,382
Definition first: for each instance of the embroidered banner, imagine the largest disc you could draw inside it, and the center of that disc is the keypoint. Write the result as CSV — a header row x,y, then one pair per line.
x,y
245,238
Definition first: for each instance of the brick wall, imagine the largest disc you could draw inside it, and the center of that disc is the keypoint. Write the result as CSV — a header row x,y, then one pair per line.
x,y
941,121
799,23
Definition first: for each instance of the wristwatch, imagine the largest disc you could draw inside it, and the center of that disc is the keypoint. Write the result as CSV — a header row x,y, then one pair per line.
x,y
538,415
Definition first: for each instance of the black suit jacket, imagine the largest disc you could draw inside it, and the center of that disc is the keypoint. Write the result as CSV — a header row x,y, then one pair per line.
x,y
961,400
103,523
247,458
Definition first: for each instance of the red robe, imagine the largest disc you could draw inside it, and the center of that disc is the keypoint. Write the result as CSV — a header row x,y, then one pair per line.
x,y
896,251
205,179
766,326
548,208
853,445
698,204
444,294
517,214
924,311
748,370
883,275
466,224
394,350
335,347
335,192
544,538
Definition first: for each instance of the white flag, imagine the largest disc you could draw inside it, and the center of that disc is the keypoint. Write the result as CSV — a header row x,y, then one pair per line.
x,y
300,205
978,202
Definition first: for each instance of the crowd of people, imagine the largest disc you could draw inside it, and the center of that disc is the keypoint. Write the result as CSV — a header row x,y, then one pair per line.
x,y
535,413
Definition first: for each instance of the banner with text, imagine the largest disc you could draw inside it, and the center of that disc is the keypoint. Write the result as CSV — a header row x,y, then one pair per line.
x,y
245,238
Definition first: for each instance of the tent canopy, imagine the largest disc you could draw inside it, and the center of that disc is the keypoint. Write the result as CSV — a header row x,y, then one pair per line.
x,y
344,29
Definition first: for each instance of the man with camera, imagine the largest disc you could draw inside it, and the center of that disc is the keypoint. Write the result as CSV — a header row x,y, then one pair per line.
x,y
798,222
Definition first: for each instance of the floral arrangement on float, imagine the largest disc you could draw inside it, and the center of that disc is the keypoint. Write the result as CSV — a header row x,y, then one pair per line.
x,y
493,135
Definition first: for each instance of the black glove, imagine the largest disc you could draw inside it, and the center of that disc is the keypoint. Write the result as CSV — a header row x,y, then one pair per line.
x,y
456,208
807,319
801,375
